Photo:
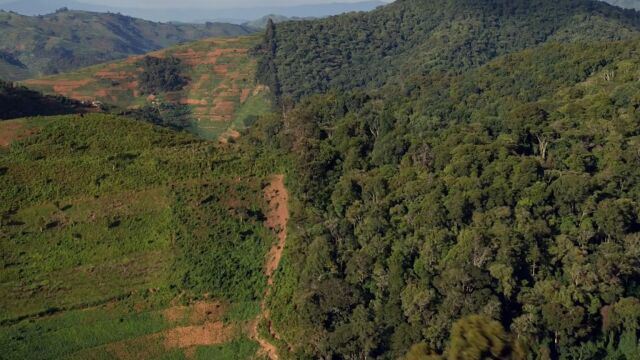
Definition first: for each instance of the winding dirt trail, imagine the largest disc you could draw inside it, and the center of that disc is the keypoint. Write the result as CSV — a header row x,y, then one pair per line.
x,y
277,217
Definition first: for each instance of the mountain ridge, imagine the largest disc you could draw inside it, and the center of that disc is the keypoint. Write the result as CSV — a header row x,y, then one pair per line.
x,y
197,14
413,38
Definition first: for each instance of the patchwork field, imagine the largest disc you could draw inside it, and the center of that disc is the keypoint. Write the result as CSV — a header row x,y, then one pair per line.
x,y
123,240
221,97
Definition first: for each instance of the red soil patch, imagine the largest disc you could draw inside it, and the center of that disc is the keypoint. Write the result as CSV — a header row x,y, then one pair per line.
x,y
199,335
277,197
206,311
221,69
12,131
198,313
133,85
277,218
192,102
224,108
175,314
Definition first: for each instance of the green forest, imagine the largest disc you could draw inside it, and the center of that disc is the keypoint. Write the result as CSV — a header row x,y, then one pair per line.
x,y
475,197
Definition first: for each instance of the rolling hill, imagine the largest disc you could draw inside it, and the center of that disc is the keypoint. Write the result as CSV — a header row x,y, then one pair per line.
x,y
412,38
465,181
447,179
144,243
66,40
220,97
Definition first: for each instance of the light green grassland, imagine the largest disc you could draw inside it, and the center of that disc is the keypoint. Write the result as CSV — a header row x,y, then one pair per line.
x,y
106,221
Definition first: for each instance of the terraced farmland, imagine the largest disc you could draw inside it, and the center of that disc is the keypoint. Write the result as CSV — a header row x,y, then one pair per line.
x,y
220,99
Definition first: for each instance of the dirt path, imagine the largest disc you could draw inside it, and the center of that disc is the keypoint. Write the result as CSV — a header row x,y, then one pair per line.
x,y
277,217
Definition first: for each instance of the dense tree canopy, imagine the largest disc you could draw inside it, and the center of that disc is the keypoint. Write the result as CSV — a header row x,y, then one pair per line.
x,y
161,75
416,37
506,196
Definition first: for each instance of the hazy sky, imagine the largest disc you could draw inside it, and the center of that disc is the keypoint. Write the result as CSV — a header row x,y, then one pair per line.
x,y
208,3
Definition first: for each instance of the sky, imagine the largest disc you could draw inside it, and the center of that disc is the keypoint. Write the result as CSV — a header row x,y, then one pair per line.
x,y
220,4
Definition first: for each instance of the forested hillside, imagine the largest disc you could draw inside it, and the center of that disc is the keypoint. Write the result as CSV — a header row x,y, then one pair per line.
x,y
463,189
38,45
510,192
415,38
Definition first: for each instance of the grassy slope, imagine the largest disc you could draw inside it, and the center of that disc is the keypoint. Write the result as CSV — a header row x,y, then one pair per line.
x,y
72,39
222,93
109,222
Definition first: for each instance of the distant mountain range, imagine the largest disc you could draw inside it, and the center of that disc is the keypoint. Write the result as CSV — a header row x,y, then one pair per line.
x,y
65,40
262,22
199,15
629,4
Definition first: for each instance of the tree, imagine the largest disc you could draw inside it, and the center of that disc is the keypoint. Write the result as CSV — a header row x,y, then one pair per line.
x,y
161,75
478,338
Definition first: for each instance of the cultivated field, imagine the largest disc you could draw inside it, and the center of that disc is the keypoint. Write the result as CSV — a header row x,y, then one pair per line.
x,y
122,240
221,98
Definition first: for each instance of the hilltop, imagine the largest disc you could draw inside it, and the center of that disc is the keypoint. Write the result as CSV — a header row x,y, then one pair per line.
x,y
66,40
465,183
414,38
220,96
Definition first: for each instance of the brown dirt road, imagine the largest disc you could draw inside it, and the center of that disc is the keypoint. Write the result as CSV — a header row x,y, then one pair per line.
x,y
277,217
